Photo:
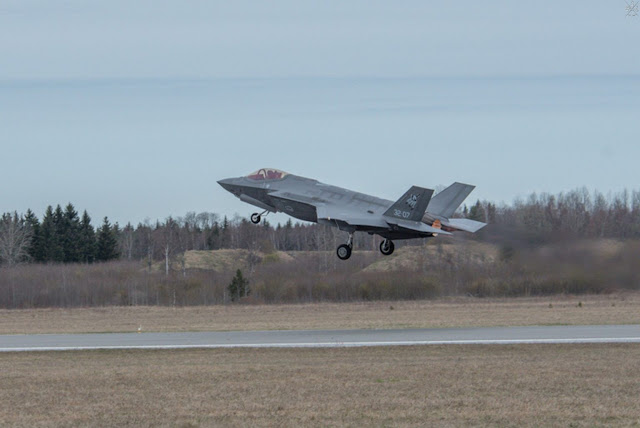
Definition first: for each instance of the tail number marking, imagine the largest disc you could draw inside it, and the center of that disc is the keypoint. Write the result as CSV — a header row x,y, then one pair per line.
x,y
401,214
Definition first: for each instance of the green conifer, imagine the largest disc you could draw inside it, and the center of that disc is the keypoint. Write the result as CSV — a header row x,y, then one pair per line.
x,y
50,241
239,287
71,235
35,248
476,212
87,246
107,244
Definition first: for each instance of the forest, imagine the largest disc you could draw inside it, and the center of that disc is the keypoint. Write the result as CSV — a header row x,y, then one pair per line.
x,y
572,242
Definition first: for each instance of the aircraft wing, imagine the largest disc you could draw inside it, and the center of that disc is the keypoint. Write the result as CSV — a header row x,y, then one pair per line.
x,y
345,218
330,213
333,213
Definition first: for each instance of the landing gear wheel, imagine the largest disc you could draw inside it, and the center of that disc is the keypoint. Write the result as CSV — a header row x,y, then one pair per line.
x,y
387,247
255,218
344,252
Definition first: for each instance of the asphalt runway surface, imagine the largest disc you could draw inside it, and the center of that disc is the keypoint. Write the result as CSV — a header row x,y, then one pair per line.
x,y
323,338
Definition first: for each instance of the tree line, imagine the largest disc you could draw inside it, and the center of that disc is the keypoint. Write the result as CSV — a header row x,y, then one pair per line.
x,y
63,236
546,218
435,269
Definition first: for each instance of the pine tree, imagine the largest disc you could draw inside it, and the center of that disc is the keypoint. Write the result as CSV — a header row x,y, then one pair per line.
x,y
35,248
288,235
225,233
87,246
239,286
71,235
51,250
60,230
107,245
477,212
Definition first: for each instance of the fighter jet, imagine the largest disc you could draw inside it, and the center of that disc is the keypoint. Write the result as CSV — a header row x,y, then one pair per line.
x,y
417,214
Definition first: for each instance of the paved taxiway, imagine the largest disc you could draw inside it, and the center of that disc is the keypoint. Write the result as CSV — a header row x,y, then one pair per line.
x,y
323,338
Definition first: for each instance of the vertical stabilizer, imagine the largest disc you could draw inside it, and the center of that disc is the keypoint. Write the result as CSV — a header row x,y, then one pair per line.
x,y
412,205
445,203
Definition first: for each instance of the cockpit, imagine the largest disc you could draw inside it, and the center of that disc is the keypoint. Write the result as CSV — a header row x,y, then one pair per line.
x,y
267,174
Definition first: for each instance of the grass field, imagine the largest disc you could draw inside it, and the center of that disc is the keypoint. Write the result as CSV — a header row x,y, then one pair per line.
x,y
455,312
525,385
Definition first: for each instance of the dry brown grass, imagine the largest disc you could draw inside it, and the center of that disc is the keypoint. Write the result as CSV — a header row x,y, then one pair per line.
x,y
412,258
458,312
526,385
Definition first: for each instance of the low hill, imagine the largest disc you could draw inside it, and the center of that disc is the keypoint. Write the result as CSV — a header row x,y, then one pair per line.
x,y
230,260
404,258
439,253
227,260
433,254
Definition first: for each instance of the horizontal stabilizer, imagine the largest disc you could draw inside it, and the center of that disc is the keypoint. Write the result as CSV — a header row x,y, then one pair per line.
x,y
412,205
445,203
464,224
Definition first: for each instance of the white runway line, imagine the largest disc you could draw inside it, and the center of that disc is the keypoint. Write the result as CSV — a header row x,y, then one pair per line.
x,y
330,344
323,338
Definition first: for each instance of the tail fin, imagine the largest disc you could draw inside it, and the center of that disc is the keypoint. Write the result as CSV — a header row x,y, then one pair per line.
x,y
445,203
412,205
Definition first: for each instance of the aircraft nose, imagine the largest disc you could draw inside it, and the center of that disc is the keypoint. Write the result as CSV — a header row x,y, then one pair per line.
x,y
228,184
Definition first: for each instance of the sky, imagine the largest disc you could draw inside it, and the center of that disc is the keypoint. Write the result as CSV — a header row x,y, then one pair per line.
x,y
134,110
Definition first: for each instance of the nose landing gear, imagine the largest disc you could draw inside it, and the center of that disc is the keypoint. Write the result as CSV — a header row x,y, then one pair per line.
x,y
255,217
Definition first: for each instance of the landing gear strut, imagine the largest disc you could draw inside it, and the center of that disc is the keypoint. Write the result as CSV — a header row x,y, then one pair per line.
x,y
255,217
344,250
387,247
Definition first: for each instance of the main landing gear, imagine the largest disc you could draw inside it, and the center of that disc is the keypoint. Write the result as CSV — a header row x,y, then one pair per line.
x,y
387,247
255,217
344,250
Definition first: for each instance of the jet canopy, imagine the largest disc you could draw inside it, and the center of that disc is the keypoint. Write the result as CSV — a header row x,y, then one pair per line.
x,y
267,174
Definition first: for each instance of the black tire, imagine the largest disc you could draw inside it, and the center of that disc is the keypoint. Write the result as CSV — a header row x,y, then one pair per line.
x,y
389,248
255,218
343,252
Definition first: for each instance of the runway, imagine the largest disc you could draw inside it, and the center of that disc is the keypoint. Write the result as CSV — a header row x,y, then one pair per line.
x,y
323,338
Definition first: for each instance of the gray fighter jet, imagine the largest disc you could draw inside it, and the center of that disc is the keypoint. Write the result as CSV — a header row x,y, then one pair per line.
x,y
415,215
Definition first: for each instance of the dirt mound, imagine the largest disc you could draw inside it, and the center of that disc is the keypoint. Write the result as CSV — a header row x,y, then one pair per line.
x,y
435,253
229,260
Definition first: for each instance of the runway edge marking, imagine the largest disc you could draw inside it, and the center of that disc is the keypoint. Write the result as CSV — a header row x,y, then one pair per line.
x,y
330,344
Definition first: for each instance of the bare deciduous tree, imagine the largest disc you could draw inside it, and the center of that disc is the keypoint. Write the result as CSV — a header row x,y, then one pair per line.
x,y
15,238
167,235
